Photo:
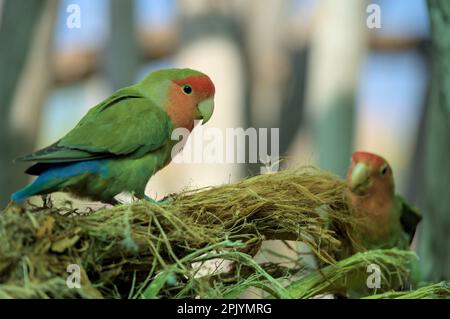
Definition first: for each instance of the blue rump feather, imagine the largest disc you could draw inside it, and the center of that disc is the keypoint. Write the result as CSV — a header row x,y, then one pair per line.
x,y
54,176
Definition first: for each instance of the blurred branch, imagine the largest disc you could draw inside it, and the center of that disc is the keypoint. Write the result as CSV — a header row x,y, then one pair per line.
x,y
158,43
73,66
76,65
395,43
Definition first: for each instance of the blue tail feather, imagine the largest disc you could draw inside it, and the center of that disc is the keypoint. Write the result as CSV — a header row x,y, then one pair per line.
x,y
49,180
40,185
22,194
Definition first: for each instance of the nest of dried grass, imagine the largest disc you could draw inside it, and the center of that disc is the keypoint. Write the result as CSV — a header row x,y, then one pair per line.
x,y
146,250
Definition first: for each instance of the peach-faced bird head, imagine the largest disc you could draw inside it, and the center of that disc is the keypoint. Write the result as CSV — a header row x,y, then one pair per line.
x,y
369,174
185,94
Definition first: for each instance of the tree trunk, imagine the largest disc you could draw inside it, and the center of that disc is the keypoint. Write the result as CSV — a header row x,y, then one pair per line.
x,y
338,46
26,33
122,54
435,234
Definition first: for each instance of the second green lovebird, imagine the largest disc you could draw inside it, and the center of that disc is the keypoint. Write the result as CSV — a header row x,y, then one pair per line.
x,y
121,142
387,220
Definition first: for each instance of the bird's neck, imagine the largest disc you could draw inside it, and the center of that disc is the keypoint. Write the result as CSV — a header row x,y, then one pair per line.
x,y
376,213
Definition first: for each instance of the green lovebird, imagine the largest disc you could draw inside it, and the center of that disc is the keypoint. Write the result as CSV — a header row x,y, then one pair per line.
x,y
388,221
122,141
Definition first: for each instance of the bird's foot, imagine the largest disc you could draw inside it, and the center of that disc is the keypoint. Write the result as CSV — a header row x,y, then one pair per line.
x,y
166,200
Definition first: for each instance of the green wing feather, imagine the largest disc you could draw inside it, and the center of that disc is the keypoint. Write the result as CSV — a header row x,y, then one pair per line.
x,y
124,124
409,218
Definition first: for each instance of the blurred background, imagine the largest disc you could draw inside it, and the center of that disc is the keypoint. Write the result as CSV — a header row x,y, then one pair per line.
x,y
312,68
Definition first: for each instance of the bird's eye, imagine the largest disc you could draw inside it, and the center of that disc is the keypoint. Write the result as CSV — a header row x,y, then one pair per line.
x,y
187,89
384,170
